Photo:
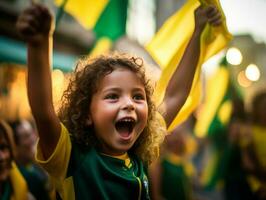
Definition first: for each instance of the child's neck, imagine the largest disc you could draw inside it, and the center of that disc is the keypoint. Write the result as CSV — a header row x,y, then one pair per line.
x,y
120,156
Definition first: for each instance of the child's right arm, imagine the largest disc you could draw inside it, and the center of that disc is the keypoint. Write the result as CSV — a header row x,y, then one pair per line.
x,y
35,26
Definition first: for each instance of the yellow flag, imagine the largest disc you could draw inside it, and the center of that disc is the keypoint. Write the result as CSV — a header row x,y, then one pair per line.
x,y
86,12
103,45
213,100
168,45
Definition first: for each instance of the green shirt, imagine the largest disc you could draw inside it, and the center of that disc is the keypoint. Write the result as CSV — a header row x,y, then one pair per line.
x,y
175,183
6,191
92,175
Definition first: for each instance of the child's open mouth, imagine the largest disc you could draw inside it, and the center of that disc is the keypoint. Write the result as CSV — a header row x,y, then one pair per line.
x,y
125,126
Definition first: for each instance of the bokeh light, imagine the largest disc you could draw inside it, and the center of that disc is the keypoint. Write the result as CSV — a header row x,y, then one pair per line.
x,y
252,72
234,56
242,80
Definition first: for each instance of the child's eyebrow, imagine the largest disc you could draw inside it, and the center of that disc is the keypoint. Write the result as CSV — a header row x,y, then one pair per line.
x,y
139,89
113,89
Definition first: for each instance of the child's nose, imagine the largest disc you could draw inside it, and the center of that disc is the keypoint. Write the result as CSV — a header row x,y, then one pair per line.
x,y
128,104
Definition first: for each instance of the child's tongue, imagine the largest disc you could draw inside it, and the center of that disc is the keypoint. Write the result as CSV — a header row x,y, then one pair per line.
x,y
123,131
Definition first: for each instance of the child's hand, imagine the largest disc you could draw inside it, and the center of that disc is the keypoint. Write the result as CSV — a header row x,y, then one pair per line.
x,y
207,14
35,24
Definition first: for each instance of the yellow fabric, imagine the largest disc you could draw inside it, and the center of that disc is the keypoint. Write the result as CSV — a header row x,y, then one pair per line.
x,y
178,160
225,112
259,141
87,12
68,194
63,148
254,183
209,167
191,146
212,100
168,46
123,157
19,185
103,45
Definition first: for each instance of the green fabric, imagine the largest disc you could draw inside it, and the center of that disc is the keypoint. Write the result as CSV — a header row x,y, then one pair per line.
x,y
7,191
98,176
112,22
37,181
175,183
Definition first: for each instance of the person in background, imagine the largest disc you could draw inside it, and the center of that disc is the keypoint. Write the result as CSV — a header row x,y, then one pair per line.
x,y
25,137
236,185
253,142
172,175
12,184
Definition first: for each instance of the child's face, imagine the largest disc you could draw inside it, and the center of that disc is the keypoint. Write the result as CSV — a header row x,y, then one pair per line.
x,y
119,111
26,142
5,158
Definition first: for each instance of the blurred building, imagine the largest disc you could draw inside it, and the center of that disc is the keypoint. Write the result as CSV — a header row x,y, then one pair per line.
x,y
250,74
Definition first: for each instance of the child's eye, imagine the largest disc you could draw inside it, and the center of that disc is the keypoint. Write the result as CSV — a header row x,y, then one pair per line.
x,y
139,97
111,96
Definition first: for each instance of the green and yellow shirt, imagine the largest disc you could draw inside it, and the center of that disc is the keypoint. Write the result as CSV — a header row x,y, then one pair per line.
x,y
176,174
80,173
16,187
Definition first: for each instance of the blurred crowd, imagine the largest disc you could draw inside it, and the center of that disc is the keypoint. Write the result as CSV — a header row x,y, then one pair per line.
x,y
17,148
228,164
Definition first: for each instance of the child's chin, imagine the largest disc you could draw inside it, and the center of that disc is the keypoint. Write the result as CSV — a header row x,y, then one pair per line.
x,y
124,148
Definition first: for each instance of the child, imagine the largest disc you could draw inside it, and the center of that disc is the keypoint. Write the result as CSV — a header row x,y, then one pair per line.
x,y
171,175
25,138
12,184
108,130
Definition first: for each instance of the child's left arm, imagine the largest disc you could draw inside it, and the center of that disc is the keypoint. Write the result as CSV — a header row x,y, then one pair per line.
x,y
180,83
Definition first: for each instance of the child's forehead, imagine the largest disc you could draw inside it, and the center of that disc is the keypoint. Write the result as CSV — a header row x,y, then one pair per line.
x,y
121,77
123,73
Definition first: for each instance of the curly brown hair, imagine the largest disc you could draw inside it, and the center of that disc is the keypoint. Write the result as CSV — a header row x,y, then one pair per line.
x,y
83,84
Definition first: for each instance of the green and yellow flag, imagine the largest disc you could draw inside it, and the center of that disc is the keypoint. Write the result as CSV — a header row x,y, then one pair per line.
x,y
168,46
86,12
212,122
217,106
107,18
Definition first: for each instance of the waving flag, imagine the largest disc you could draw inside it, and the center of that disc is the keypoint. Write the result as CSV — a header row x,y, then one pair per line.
x,y
107,18
168,46
86,12
216,108
212,121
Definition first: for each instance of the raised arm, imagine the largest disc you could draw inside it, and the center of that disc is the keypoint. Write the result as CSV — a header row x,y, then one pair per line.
x,y
35,26
180,83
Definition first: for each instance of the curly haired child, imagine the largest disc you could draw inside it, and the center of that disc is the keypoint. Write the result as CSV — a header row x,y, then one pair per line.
x,y
107,131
